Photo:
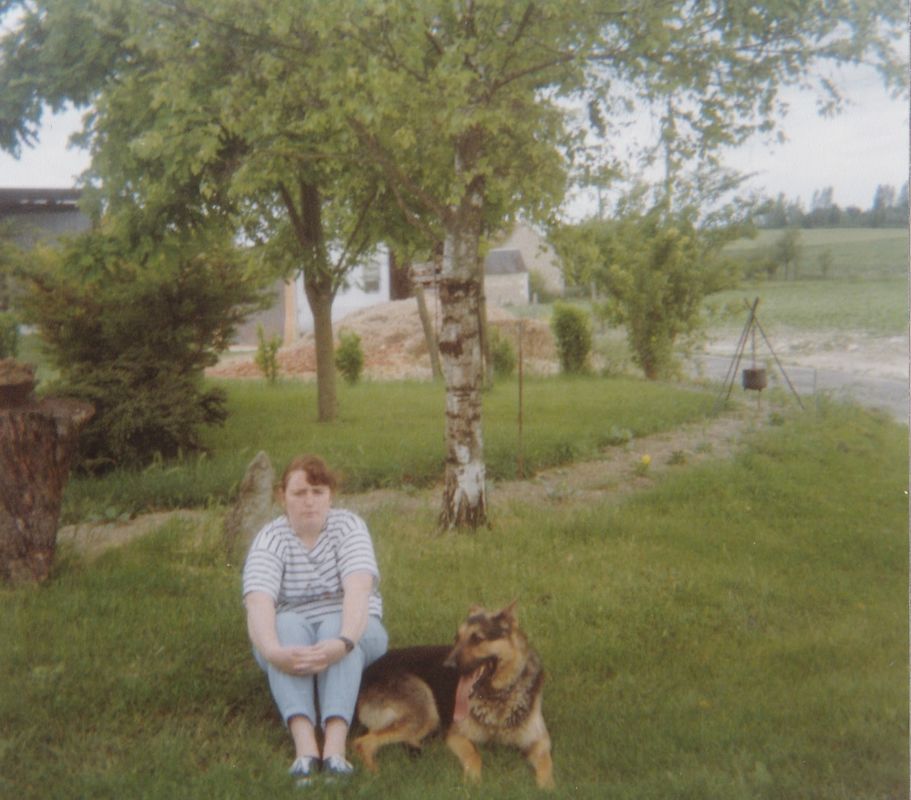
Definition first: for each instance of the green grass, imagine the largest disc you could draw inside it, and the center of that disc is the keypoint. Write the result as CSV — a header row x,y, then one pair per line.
x,y
388,434
856,253
738,631
876,307
865,290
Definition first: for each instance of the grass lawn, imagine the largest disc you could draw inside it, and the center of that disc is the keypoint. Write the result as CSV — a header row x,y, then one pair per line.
x,y
737,631
389,434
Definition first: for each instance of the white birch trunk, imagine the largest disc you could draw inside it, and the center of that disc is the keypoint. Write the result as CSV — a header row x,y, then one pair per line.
x,y
464,493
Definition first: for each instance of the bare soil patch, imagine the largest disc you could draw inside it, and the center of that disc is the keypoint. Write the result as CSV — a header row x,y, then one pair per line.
x,y
394,345
94,538
854,352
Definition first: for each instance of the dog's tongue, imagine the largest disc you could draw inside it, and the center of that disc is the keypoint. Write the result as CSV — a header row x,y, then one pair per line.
x,y
463,692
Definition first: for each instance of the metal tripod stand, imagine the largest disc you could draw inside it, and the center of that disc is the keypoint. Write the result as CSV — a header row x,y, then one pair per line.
x,y
749,335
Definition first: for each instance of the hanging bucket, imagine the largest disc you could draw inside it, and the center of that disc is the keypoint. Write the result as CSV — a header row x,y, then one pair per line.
x,y
755,379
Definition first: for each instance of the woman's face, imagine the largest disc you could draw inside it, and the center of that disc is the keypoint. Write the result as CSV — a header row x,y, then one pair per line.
x,y
307,505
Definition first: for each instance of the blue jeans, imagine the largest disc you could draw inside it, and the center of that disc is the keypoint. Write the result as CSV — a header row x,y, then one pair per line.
x,y
336,687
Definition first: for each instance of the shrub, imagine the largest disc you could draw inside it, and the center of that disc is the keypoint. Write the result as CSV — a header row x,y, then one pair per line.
x,y
131,326
9,335
502,354
661,271
573,331
267,354
349,357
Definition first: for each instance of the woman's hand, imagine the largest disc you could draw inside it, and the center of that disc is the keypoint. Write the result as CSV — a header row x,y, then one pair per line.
x,y
307,660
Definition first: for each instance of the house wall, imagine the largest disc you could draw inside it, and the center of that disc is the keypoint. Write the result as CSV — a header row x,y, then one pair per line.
x,y
367,285
272,319
507,290
30,227
538,255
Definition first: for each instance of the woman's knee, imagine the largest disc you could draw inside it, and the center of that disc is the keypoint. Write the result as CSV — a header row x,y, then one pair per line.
x,y
293,629
374,642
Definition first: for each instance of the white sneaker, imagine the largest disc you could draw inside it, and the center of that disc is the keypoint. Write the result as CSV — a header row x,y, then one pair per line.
x,y
304,769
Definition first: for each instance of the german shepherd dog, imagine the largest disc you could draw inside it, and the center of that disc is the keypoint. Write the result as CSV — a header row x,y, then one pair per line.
x,y
486,688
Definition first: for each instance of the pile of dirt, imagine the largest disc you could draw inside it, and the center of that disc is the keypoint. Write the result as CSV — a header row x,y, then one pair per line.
x,y
394,345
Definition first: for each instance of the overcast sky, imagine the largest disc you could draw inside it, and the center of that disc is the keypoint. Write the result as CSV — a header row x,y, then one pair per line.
x,y
863,147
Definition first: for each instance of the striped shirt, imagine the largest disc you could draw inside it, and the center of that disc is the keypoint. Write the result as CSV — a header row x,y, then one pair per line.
x,y
310,581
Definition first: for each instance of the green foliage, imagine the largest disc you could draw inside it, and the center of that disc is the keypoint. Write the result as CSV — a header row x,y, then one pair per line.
x,y
660,268
738,632
9,335
349,356
502,354
573,333
389,434
267,354
539,288
580,248
787,251
130,328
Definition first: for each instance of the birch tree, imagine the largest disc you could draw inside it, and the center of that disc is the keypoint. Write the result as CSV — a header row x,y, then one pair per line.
x,y
469,109
468,106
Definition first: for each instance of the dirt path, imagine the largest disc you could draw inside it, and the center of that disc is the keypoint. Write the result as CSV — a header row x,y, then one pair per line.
x,y
616,473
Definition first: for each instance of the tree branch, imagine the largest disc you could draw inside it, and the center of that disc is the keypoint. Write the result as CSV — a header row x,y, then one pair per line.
x,y
394,172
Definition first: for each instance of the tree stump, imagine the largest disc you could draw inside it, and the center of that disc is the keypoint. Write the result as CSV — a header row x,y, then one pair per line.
x,y
37,440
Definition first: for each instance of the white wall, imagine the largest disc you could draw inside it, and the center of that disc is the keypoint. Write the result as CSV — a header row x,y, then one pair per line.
x,y
355,295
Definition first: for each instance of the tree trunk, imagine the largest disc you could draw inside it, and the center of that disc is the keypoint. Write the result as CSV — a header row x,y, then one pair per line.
x,y
37,440
430,336
464,491
305,211
400,286
320,299
483,330
289,327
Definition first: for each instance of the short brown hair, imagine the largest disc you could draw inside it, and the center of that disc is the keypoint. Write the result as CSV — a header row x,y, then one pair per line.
x,y
316,470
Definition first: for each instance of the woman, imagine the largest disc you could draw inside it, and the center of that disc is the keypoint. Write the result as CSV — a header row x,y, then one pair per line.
x,y
314,614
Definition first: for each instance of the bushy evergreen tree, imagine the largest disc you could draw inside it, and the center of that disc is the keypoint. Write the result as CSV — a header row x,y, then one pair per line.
x,y
130,327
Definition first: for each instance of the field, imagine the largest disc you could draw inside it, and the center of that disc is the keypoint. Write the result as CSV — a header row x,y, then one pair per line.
x,y
864,290
737,630
858,311
856,253
729,623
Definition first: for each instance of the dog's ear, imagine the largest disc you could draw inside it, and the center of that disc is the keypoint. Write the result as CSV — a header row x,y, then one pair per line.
x,y
508,613
475,610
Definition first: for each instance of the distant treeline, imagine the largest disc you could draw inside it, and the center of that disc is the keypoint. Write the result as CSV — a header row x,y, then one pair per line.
x,y
889,210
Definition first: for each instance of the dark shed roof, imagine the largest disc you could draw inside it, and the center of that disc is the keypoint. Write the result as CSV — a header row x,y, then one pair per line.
x,y
26,200
504,262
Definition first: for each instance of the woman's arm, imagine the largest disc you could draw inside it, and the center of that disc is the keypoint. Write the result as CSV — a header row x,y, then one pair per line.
x,y
263,635
355,613
261,623
355,604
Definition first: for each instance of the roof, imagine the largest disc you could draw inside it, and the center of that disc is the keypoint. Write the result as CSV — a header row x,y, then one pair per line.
x,y
504,262
25,200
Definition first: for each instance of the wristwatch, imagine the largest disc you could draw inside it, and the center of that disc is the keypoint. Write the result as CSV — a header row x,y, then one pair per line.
x,y
349,645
